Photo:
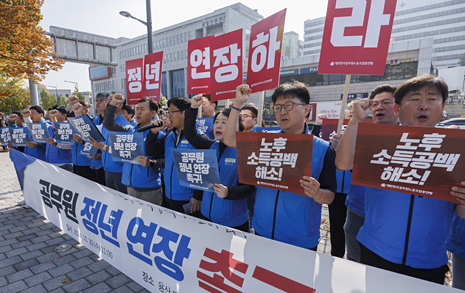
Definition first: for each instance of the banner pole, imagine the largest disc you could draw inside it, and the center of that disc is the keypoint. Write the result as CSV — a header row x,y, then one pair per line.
x,y
343,104
261,102
226,104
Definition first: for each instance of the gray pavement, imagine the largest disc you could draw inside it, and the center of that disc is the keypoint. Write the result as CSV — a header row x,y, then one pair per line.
x,y
36,256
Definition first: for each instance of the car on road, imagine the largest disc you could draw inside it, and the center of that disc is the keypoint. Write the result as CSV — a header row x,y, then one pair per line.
x,y
460,122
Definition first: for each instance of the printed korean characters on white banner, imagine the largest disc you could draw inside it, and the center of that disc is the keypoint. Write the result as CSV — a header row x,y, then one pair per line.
x,y
165,251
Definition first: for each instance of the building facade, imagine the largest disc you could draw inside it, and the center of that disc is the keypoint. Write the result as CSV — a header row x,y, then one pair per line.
x,y
442,20
173,42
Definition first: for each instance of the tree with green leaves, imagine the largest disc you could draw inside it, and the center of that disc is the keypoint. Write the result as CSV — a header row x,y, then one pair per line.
x,y
46,99
78,94
13,94
162,104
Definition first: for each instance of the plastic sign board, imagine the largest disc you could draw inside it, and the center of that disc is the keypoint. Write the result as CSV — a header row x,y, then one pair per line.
x,y
63,132
198,65
126,146
20,136
152,76
329,127
226,65
5,136
356,36
196,169
274,160
266,38
415,160
39,131
85,127
134,80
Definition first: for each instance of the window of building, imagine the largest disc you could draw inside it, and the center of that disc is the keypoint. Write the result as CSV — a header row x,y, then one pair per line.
x,y
177,83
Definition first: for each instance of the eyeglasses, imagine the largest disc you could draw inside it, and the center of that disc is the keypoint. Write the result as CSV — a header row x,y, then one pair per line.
x,y
205,103
170,113
288,106
245,116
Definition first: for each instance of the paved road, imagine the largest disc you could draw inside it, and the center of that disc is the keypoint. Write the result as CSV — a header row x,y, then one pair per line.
x,y
36,256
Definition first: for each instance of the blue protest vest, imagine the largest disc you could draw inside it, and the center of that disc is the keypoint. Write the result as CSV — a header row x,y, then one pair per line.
x,y
355,200
78,159
406,229
173,190
343,181
289,217
456,241
54,154
37,152
226,212
136,175
108,163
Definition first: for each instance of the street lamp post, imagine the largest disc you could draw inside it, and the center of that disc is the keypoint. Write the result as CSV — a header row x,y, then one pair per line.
x,y
148,24
56,90
77,85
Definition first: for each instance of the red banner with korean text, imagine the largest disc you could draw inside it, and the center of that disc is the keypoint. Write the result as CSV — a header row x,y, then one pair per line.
x,y
415,160
274,160
134,80
356,37
198,65
226,65
329,127
266,39
152,76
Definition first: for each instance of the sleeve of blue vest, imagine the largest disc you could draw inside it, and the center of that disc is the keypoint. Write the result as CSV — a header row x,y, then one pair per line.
x,y
241,191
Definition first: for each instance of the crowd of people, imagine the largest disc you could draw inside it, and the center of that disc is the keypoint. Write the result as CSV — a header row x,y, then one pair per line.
x,y
403,233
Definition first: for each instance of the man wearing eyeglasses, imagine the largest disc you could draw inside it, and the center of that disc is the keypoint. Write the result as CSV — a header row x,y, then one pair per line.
x,y
176,197
284,216
249,113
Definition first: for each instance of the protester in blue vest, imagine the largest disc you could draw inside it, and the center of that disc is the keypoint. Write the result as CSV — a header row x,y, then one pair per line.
x,y
81,162
289,217
58,154
383,113
406,233
456,245
128,113
143,179
176,197
96,163
227,205
16,119
35,114
113,169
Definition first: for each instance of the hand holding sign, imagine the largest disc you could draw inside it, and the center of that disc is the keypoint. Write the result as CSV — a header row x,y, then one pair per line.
x,y
196,101
221,190
78,138
312,189
31,144
117,100
51,141
459,192
96,144
334,139
143,160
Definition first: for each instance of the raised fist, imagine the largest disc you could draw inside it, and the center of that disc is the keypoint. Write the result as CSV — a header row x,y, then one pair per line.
x,y
196,101
53,112
117,99
73,99
26,113
12,117
243,92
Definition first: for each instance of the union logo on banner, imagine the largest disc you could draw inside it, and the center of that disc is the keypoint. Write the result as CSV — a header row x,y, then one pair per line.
x,y
356,37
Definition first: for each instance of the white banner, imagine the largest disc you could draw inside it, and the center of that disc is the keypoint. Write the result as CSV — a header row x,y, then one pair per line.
x,y
165,251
